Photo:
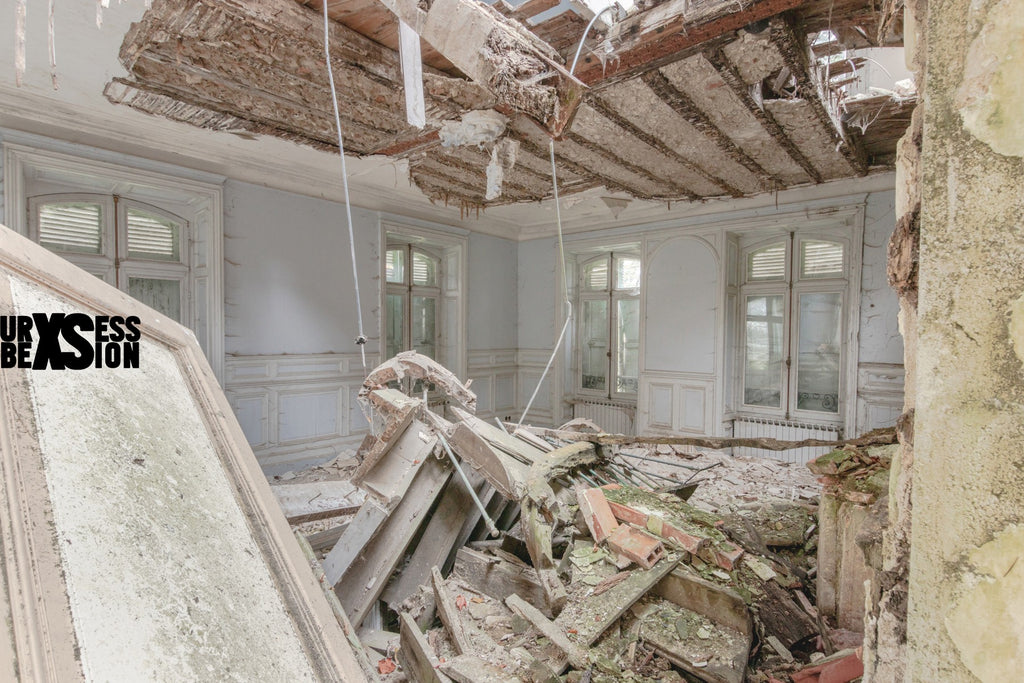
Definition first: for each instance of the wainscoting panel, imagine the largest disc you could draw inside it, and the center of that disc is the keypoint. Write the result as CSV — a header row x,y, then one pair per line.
x,y
676,403
494,382
879,395
297,410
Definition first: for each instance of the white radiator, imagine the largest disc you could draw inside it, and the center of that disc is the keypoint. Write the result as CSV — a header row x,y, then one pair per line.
x,y
614,418
784,430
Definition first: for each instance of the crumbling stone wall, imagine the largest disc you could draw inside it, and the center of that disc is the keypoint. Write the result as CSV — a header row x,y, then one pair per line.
x,y
885,623
964,447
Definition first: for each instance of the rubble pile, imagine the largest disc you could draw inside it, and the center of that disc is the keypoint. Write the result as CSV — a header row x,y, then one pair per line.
x,y
489,552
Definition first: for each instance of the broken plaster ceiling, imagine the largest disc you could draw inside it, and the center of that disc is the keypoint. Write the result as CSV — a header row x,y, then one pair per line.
x,y
708,100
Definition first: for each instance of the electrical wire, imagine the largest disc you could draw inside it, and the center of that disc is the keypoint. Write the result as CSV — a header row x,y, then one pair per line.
x,y
361,339
565,288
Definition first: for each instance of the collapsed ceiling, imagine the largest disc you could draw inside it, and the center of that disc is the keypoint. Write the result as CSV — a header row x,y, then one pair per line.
x,y
684,99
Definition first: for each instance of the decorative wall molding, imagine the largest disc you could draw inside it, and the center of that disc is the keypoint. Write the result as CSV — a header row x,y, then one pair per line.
x,y
676,403
879,395
297,409
495,378
547,408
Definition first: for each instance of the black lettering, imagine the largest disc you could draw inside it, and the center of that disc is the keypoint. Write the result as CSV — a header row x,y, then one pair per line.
x,y
8,328
101,328
72,336
24,328
24,354
131,354
111,355
132,322
48,350
116,331
8,355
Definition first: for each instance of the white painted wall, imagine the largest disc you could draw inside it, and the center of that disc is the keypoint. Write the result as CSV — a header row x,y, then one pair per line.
x,y
288,281
681,307
493,294
683,382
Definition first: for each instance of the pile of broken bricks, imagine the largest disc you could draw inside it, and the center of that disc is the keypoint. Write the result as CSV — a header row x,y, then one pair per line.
x,y
482,552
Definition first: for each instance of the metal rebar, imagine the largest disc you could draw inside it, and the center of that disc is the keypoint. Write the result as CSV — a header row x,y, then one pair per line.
x,y
469,487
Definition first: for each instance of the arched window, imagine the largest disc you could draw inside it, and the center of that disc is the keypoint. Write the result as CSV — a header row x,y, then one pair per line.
x,y
140,249
793,310
608,345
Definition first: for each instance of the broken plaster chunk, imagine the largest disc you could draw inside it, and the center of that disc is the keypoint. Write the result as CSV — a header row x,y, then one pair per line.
x,y
479,128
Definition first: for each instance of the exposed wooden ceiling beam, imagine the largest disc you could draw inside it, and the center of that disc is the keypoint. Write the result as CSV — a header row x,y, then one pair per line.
x,y
732,78
665,32
499,54
685,107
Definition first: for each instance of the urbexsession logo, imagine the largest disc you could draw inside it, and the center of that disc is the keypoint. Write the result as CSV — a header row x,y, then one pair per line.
x,y
102,341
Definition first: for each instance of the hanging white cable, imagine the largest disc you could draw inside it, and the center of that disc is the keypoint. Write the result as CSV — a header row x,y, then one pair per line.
x,y
579,49
561,244
565,288
361,339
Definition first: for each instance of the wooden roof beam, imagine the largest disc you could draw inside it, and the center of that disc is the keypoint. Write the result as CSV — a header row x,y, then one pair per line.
x,y
668,31
498,53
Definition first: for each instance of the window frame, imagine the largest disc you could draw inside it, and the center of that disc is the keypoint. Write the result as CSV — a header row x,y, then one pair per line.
x,y
32,166
791,287
407,289
109,265
613,295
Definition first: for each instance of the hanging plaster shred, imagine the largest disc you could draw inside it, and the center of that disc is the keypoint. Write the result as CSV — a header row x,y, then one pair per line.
x,y
52,40
19,42
565,288
361,339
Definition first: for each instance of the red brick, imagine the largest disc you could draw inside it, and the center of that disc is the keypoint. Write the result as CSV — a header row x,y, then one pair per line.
x,y
596,513
844,670
691,544
637,545
624,513
727,558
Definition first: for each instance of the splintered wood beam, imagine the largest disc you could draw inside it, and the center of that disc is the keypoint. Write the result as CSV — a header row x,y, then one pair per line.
x,y
796,58
657,144
520,70
727,70
685,107
663,33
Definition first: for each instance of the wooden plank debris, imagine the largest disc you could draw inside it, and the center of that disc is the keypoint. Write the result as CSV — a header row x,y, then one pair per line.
x,y
416,656
366,577
449,613
550,630
592,616
499,578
